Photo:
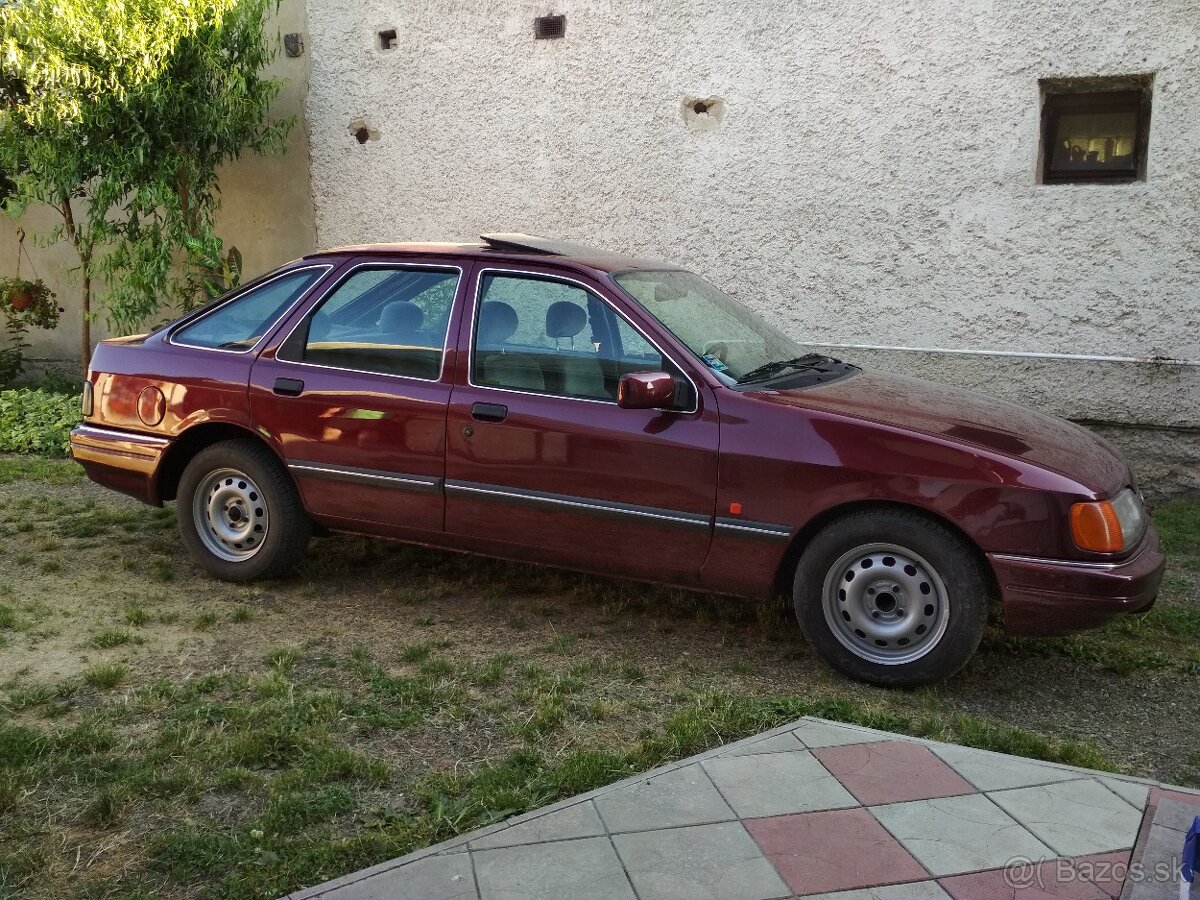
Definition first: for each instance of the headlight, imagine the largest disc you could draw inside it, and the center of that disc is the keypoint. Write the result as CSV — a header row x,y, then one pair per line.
x,y
1109,526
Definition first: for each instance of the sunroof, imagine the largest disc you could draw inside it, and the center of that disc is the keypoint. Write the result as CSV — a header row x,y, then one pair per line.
x,y
529,243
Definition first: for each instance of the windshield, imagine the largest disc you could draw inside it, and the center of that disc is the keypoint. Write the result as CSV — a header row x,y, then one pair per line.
x,y
730,339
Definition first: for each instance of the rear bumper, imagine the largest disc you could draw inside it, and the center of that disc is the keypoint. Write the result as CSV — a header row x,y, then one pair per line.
x,y
121,460
1045,597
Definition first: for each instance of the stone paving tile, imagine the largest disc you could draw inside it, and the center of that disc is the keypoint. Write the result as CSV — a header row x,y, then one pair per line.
x,y
1130,791
1105,870
995,771
562,870
680,797
1074,818
433,878
1175,814
1047,881
922,890
776,744
1159,861
698,862
891,771
772,784
575,821
833,851
952,835
829,734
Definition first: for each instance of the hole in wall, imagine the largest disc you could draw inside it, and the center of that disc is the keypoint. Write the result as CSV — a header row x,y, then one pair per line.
x,y
703,113
387,39
549,27
361,131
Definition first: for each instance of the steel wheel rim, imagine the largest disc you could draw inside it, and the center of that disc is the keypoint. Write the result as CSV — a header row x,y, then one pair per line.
x,y
230,515
885,604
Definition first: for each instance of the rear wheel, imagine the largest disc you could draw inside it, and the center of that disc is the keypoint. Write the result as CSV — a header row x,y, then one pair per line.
x,y
892,598
239,514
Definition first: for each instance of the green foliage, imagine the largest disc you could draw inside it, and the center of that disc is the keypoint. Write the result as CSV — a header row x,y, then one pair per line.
x,y
119,117
33,421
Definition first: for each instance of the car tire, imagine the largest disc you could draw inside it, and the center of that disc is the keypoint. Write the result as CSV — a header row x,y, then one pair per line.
x,y
239,513
892,598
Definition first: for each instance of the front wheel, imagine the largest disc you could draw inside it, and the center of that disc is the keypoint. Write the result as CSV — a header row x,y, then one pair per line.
x,y
239,514
891,598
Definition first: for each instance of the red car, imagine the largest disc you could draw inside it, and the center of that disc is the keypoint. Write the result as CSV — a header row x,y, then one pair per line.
x,y
534,400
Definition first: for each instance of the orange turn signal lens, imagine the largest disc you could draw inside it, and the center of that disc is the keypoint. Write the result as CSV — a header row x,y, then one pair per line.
x,y
1095,526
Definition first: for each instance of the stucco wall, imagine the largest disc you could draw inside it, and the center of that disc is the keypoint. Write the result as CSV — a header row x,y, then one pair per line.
x,y
266,213
871,181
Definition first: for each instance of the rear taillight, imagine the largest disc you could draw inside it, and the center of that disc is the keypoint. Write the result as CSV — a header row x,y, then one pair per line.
x,y
86,404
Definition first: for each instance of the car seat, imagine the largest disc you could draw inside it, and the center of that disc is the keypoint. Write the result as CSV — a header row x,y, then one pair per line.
x,y
494,364
579,375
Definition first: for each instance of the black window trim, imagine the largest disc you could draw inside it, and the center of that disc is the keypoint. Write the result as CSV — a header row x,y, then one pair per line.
x,y
565,279
341,280
1092,91
238,295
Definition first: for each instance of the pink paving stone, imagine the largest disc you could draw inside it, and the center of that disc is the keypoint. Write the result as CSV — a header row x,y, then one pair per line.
x,y
892,772
1051,880
1105,870
833,851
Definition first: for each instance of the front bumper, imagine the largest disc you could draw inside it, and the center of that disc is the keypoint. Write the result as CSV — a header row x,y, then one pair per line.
x,y
1046,597
121,460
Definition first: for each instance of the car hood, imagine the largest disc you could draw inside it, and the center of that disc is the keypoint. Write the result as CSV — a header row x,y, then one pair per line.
x,y
969,418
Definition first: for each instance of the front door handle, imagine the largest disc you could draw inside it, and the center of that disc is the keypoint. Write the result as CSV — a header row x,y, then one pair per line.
x,y
489,412
288,387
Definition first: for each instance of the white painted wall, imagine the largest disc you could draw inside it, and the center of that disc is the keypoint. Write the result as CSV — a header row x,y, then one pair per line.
x,y
872,180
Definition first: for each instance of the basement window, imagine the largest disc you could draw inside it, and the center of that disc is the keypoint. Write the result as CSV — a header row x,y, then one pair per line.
x,y
549,27
1095,131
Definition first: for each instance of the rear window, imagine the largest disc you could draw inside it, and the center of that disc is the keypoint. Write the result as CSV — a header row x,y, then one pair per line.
x,y
239,324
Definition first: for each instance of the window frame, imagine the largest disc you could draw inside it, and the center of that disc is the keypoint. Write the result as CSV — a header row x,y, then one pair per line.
x,y
189,321
345,276
574,282
1061,97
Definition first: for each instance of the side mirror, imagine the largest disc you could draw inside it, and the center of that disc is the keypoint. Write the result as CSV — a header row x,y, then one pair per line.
x,y
646,390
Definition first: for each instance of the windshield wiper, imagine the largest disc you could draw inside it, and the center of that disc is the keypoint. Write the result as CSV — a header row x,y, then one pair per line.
x,y
771,369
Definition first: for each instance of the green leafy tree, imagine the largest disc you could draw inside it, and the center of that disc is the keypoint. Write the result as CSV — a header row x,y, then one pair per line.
x,y
125,111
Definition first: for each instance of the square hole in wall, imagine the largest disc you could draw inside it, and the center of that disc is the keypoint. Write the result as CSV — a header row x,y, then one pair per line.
x,y
549,27
387,39
1095,130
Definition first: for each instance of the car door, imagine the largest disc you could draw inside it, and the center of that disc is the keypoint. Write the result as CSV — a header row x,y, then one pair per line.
x,y
355,395
541,462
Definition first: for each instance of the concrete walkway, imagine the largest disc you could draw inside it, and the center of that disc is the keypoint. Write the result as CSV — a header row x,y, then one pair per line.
x,y
818,809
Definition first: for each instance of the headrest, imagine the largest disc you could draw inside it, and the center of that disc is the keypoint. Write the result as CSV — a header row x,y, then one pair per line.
x,y
565,319
497,322
400,317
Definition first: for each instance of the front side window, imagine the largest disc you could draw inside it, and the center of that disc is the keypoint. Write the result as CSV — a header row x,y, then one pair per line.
x,y
550,337
386,319
726,336
240,323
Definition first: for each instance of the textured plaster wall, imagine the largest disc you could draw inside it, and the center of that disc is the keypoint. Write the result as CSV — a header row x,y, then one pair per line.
x,y
866,174
267,212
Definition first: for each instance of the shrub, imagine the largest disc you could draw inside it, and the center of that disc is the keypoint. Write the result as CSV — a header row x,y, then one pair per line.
x,y
33,421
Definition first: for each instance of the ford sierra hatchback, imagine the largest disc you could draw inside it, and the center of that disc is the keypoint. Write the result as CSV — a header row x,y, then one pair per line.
x,y
532,400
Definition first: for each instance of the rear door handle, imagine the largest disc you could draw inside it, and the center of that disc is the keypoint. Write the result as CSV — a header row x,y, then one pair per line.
x,y
489,412
289,387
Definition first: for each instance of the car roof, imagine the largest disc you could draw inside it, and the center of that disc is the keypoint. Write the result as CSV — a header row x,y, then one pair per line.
x,y
510,247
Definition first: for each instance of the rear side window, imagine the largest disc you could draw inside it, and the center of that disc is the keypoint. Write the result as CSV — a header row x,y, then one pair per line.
x,y
239,324
386,319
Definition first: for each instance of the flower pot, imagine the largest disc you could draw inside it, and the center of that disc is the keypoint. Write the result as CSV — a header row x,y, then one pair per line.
x,y
20,300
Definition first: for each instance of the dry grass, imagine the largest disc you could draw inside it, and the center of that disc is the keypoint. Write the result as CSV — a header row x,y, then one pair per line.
x,y
162,734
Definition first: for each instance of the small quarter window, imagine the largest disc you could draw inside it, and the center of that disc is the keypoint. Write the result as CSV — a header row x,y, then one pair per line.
x,y
384,319
240,323
1094,131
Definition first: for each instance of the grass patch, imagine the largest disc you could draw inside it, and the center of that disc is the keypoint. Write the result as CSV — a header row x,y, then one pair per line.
x,y
106,676
113,637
